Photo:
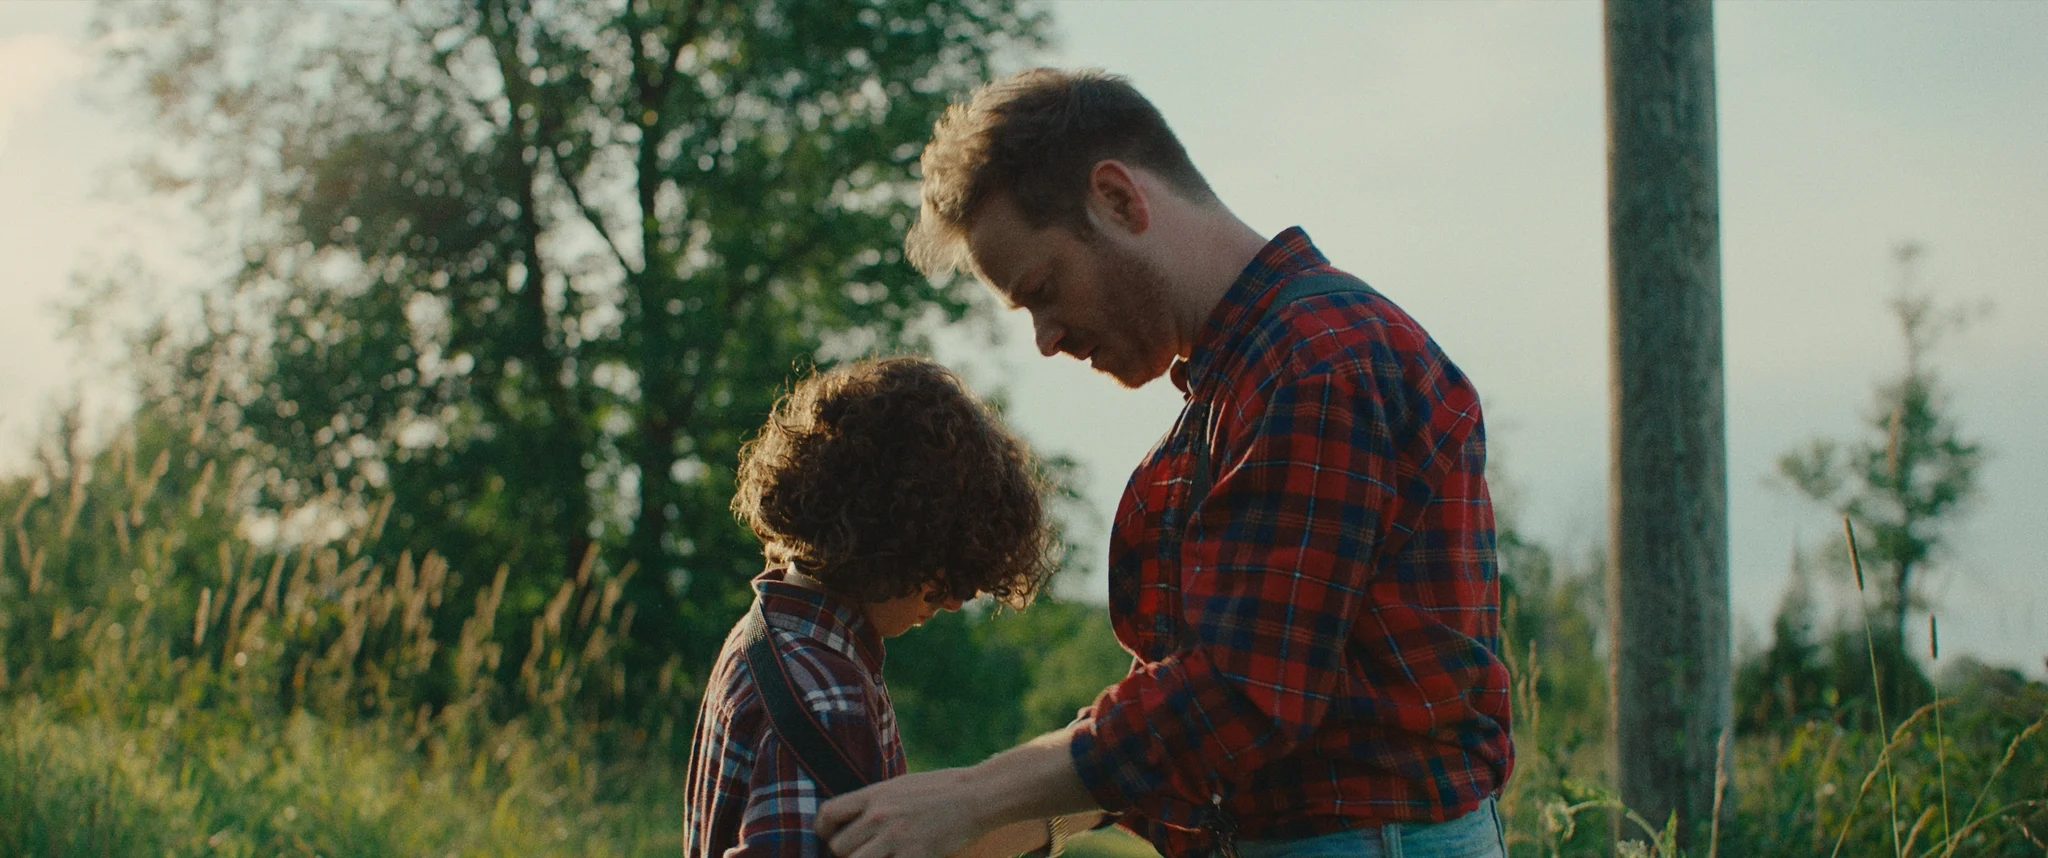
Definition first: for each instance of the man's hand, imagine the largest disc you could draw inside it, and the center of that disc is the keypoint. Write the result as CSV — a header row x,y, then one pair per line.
x,y
937,814
926,815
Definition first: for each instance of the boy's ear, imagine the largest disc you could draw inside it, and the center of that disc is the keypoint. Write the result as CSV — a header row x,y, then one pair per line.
x,y
1116,200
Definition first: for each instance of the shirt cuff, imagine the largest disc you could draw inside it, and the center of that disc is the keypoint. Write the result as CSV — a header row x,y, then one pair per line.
x,y
1116,772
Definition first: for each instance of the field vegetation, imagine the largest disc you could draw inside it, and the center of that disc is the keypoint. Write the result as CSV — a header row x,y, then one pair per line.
x,y
172,684
418,542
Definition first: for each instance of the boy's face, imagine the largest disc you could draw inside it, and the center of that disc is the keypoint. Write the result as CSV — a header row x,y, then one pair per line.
x,y
903,613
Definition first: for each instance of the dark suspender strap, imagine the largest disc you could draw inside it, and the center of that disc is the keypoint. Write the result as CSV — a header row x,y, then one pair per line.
x,y
1311,285
1305,286
798,727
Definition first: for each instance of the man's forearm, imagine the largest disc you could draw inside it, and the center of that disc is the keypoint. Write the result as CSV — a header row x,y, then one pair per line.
x,y
941,813
1034,780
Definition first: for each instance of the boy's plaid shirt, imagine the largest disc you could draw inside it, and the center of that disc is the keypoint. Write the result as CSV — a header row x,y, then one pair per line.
x,y
746,796
1317,642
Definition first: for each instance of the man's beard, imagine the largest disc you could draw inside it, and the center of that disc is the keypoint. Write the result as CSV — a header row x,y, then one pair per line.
x,y
1135,312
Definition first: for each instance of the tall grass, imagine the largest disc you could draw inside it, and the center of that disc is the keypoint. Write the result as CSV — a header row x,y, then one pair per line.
x,y
1793,796
1940,739
169,686
1877,699
172,685
1802,789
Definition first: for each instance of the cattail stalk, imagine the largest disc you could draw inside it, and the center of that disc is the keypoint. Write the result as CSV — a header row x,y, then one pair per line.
x,y
1940,742
1877,691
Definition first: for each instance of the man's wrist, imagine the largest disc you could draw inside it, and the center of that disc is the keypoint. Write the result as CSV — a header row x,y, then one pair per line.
x,y
1057,830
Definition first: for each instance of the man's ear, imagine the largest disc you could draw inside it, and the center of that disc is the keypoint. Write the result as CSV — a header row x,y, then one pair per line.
x,y
1115,198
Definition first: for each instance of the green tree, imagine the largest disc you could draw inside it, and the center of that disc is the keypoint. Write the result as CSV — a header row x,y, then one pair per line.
x,y
972,683
532,270
1790,680
1904,486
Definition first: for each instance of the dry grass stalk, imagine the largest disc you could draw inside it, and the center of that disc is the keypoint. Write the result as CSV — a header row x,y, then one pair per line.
x,y
1877,692
1971,826
1898,738
1970,822
1940,739
1721,759
1919,825
199,617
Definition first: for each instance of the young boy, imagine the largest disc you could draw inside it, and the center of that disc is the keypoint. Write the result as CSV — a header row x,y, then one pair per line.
x,y
882,492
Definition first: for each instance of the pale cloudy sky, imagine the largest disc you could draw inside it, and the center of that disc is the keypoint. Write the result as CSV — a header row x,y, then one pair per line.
x,y
1453,154
34,67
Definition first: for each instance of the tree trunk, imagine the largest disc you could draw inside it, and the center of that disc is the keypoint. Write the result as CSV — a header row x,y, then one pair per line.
x,y
1668,573
652,331
560,443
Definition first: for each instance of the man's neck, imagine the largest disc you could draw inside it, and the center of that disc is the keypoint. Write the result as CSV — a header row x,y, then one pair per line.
x,y
1217,249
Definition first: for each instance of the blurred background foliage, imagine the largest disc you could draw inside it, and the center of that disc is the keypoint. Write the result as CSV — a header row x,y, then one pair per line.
x,y
417,542
523,276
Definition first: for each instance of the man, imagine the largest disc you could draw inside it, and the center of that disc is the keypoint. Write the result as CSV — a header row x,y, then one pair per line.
x,y
1304,567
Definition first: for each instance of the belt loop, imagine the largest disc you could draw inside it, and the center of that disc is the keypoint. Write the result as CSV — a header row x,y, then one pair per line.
x,y
1390,840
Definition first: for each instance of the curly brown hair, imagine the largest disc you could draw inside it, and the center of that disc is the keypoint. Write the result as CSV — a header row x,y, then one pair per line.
x,y
1035,136
883,476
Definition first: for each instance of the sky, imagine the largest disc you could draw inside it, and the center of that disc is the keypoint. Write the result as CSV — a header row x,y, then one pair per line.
x,y
1453,155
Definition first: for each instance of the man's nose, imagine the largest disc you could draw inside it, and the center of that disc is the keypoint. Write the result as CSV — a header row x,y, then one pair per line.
x,y
1050,335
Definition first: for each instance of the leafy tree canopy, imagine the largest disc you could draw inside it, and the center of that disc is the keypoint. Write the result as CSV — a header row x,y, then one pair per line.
x,y
529,272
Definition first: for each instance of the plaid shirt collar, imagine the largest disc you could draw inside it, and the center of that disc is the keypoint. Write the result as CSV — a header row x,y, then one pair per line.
x,y
828,618
1244,304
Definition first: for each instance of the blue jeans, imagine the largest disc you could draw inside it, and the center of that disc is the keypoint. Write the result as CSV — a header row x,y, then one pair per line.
x,y
1475,835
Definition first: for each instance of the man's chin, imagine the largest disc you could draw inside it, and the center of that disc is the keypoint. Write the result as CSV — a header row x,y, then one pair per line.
x,y
1128,377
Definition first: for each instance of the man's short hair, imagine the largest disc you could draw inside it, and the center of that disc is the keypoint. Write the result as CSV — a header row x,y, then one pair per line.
x,y
883,476
1035,136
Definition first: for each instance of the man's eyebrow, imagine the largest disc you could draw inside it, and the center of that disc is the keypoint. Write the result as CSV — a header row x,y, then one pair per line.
x,y
1003,291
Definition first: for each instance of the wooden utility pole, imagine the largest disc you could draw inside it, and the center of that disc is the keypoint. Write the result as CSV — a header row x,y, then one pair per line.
x,y
1668,573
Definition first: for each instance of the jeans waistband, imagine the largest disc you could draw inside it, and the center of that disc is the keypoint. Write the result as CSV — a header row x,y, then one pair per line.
x,y
1477,834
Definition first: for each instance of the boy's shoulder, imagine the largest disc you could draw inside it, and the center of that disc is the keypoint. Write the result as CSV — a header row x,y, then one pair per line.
x,y
822,671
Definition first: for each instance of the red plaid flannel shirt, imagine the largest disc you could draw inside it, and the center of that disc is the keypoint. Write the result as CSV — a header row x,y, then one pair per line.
x,y
1317,642
746,796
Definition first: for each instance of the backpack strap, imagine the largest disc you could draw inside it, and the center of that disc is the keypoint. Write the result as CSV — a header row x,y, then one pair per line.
x,y
1304,286
815,751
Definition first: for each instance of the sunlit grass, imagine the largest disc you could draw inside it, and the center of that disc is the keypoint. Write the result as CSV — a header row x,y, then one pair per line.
x,y
169,687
